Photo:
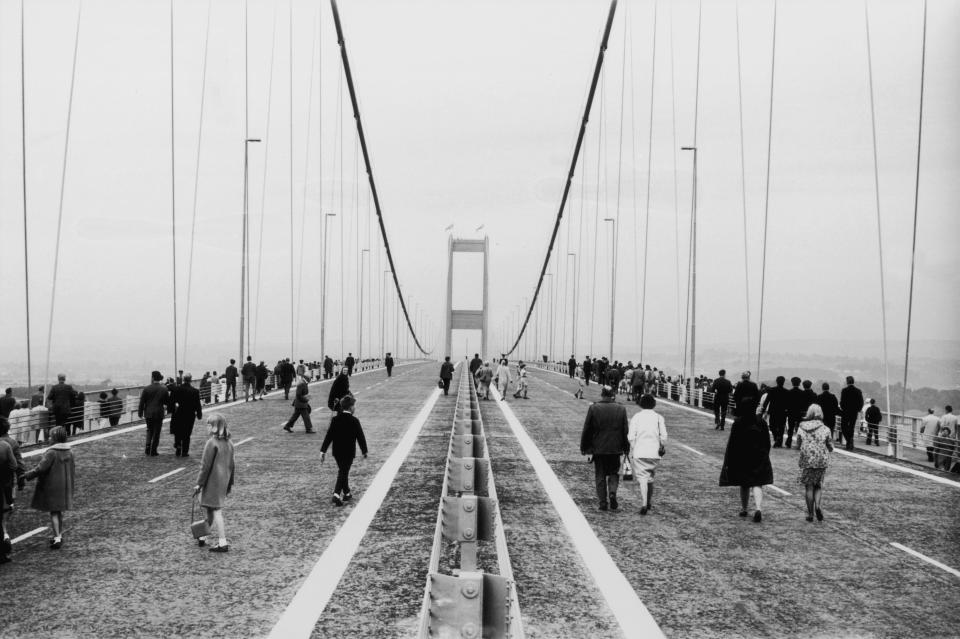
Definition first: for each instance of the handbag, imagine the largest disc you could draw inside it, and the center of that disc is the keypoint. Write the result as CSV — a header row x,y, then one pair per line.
x,y
199,527
440,383
627,468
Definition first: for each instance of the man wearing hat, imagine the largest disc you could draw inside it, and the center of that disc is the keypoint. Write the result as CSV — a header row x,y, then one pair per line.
x,y
186,408
153,407
605,437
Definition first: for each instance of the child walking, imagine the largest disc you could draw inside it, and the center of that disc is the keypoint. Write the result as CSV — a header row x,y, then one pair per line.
x,y
344,433
55,476
579,375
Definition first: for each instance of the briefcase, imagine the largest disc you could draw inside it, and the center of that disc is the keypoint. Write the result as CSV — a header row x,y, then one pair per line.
x,y
199,527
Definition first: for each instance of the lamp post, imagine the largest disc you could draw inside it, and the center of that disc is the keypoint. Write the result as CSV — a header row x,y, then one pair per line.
x,y
383,314
613,278
573,330
243,250
362,271
323,288
693,273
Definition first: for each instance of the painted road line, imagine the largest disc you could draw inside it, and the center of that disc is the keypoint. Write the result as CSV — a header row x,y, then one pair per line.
x,y
35,531
692,450
165,475
304,610
919,555
243,441
777,489
634,618
212,408
912,471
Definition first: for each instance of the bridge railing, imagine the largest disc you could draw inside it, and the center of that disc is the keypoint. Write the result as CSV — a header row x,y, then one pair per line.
x,y
31,425
901,429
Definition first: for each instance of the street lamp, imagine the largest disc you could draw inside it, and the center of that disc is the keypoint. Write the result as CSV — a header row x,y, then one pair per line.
x,y
243,251
383,313
693,271
323,288
362,271
573,331
613,278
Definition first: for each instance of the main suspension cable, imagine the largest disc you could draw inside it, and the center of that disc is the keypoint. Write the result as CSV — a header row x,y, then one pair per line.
x,y
63,181
373,186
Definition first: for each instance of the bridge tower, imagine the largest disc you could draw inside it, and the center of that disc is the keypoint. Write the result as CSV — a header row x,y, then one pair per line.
x,y
467,320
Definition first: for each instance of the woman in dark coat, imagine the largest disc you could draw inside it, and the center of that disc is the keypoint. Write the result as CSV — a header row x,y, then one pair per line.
x,y
746,462
55,480
339,388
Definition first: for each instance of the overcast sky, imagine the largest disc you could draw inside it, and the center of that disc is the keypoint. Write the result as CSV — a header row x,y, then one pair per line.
x,y
471,111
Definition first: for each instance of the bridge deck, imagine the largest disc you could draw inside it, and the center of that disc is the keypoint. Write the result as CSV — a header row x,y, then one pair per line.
x,y
129,567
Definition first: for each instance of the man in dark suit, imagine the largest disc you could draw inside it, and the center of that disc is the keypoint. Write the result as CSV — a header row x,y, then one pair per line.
x,y
328,367
62,397
777,406
186,408
301,407
249,375
851,403
721,397
795,408
831,408
7,403
349,363
287,373
571,366
475,365
231,375
388,362
154,400
587,370
446,374
605,437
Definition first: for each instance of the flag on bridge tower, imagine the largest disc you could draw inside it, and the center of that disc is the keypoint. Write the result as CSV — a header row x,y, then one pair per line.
x,y
448,228
480,227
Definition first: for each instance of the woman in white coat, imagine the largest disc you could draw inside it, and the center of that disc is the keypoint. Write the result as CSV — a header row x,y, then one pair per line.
x,y
647,434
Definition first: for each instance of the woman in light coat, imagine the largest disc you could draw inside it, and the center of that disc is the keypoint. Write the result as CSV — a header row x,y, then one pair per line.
x,y
55,477
503,378
816,444
215,480
646,435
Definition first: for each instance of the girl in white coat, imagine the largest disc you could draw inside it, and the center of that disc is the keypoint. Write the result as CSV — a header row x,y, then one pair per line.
x,y
646,436
503,378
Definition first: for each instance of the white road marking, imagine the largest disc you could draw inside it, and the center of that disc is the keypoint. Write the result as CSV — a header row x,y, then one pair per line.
x,y
878,462
243,441
692,450
777,489
301,615
165,475
918,555
210,408
634,618
35,531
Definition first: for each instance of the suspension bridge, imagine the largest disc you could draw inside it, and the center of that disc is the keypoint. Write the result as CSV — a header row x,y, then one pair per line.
x,y
282,222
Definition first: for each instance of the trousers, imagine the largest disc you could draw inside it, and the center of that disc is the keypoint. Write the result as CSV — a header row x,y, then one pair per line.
x,y
343,475
607,471
231,385
777,424
848,422
298,413
720,410
154,426
181,439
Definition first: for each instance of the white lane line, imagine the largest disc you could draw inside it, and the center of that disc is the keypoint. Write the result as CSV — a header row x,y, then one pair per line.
x,y
905,469
35,531
165,475
211,408
919,555
243,441
692,450
304,610
634,618
777,489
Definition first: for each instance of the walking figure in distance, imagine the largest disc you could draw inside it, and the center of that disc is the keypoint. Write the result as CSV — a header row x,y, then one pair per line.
x,y
344,432
231,374
851,403
446,374
215,480
55,479
339,388
579,375
873,417
154,400
301,407
815,447
503,378
521,382
721,389
388,363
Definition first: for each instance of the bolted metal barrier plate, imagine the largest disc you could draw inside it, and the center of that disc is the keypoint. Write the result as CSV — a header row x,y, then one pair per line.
x,y
469,606
466,445
467,474
466,427
468,519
